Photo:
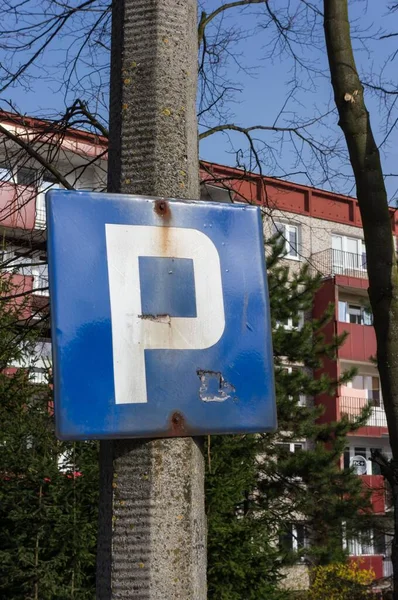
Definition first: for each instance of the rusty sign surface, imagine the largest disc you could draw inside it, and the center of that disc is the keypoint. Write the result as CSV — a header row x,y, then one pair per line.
x,y
160,317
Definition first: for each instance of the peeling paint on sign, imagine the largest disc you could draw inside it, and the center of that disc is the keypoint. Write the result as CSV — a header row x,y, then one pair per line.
x,y
157,318
213,387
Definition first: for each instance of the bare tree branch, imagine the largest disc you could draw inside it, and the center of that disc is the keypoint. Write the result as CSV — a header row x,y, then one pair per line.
x,y
92,119
205,18
36,155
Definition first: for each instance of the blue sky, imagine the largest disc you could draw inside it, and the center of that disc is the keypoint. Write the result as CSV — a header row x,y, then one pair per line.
x,y
263,90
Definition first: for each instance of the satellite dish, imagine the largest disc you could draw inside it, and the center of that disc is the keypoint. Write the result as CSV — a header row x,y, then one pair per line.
x,y
359,464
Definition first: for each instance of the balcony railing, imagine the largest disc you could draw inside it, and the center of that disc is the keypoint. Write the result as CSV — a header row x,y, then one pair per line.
x,y
352,407
336,262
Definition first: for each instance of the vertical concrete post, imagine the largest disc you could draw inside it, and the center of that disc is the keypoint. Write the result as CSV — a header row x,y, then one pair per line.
x,y
152,526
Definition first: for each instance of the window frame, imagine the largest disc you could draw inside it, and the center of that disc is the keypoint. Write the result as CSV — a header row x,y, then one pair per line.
x,y
294,538
40,361
293,446
361,253
25,170
6,173
285,229
40,216
288,324
367,544
302,398
40,279
365,451
343,313
8,254
373,393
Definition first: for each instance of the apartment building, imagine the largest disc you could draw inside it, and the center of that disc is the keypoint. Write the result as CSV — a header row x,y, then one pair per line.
x,y
325,230
318,227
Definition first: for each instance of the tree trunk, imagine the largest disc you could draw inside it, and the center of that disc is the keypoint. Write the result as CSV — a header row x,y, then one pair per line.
x,y
372,198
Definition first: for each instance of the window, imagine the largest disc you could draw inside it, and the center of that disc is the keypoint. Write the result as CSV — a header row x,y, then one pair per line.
x,y
37,359
27,176
374,467
354,313
64,461
367,317
292,323
40,361
47,184
214,193
40,279
370,467
290,235
7,258
302,398
40,210
293,537
346,456
371,386
348,254
5,173
43,350
49,177
388,498
290,447
38,375
26,262
16,259
371,542
67,464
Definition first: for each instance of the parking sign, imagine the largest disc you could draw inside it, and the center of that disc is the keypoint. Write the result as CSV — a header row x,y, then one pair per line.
x,y
160,317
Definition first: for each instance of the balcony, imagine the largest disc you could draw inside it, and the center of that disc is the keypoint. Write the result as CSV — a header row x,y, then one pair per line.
x,y
18,289
352,407
337,262
373,562
360,344
376,486
17,206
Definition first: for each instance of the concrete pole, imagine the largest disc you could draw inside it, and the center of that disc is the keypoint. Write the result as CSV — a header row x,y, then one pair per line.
x,y
152,532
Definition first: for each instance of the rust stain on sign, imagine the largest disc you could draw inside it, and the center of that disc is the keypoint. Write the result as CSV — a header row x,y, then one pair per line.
x,y
162,209
177,424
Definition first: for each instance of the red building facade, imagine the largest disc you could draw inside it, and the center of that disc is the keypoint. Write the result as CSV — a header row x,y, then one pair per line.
x,y
321,228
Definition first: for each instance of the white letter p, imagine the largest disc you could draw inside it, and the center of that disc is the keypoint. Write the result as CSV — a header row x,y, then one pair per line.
x,y
133,332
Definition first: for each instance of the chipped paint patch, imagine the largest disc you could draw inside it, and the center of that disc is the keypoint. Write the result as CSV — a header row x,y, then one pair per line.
x,y
165,319
213,387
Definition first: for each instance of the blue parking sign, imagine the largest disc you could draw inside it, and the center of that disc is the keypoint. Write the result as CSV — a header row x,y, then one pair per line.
x,y
160,317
